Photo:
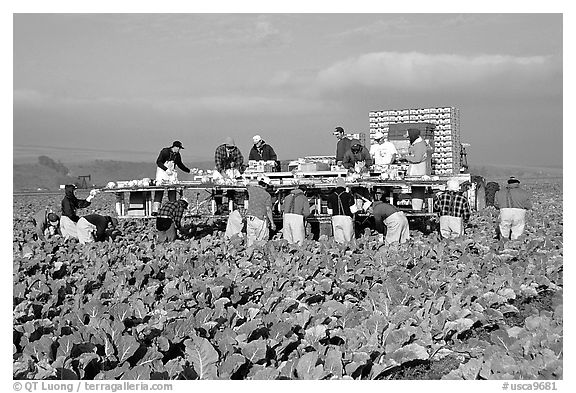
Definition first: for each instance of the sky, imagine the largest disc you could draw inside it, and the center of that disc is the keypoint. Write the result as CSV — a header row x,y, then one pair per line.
x,y
122,86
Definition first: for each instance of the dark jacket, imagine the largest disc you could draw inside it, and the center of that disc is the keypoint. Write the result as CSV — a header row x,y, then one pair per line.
x,y
265,153
350,158
70,204
101,223
512,196
342,147
340,202
166,154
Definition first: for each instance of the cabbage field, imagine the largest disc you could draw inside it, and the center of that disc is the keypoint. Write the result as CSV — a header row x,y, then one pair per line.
x,y
205,308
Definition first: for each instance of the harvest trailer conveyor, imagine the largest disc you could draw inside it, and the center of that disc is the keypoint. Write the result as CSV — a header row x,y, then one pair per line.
x,y
136,202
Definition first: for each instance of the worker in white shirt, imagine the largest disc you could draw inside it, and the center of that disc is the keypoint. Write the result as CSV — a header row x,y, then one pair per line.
x,y
383,152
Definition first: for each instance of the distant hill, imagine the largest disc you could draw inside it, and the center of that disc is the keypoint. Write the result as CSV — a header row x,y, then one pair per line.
x,y
31,176
496,172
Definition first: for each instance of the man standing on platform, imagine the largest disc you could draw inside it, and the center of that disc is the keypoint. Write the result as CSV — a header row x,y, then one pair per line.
x,y
420,159
167,161
342,146
383,152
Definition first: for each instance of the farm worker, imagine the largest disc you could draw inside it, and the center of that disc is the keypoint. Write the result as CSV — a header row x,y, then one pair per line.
x,y
357,158
513,202
261,151
295,208
342,206
92,227
47,224
388,218
69,206
342,146
420,158
491,189
166,163
169,220
454,210
382,152
229,163
259,213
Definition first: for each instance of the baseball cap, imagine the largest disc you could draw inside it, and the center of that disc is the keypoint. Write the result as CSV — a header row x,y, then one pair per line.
x,y
378,135
453,185
177,144
256,138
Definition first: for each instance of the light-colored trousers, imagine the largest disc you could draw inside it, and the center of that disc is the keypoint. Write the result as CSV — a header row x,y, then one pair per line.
x,y
68,228
85,231
451,227
397,229
343,228
256,229
512,221
293,228
233,225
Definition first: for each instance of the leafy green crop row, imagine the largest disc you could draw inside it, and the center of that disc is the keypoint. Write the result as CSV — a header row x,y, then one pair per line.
x,y
211,309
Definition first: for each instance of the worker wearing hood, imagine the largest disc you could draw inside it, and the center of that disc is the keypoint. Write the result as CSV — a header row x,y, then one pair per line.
x,y
420,159
357,157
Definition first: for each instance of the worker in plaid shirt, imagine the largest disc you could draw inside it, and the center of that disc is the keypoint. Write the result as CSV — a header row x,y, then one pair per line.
x,y
228,156
454,210
169,219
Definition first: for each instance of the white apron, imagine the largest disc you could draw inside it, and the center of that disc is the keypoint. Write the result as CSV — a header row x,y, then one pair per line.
x,y
163,178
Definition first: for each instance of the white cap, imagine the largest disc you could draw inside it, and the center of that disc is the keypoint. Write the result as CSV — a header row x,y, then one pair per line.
x,y
256,138
184,199
264,179
453,185
378,135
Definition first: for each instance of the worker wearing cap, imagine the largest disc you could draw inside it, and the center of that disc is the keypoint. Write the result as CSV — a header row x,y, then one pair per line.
x,y
169,220
93,227
357,158
392,221
259,213
47,224
70,203
342,146
229,163
453,209
166,163
513,202
382,152
261,151
295,208
342,206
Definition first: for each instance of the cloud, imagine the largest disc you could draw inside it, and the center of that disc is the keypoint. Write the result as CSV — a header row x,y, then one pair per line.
x,y
420,71
239,105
